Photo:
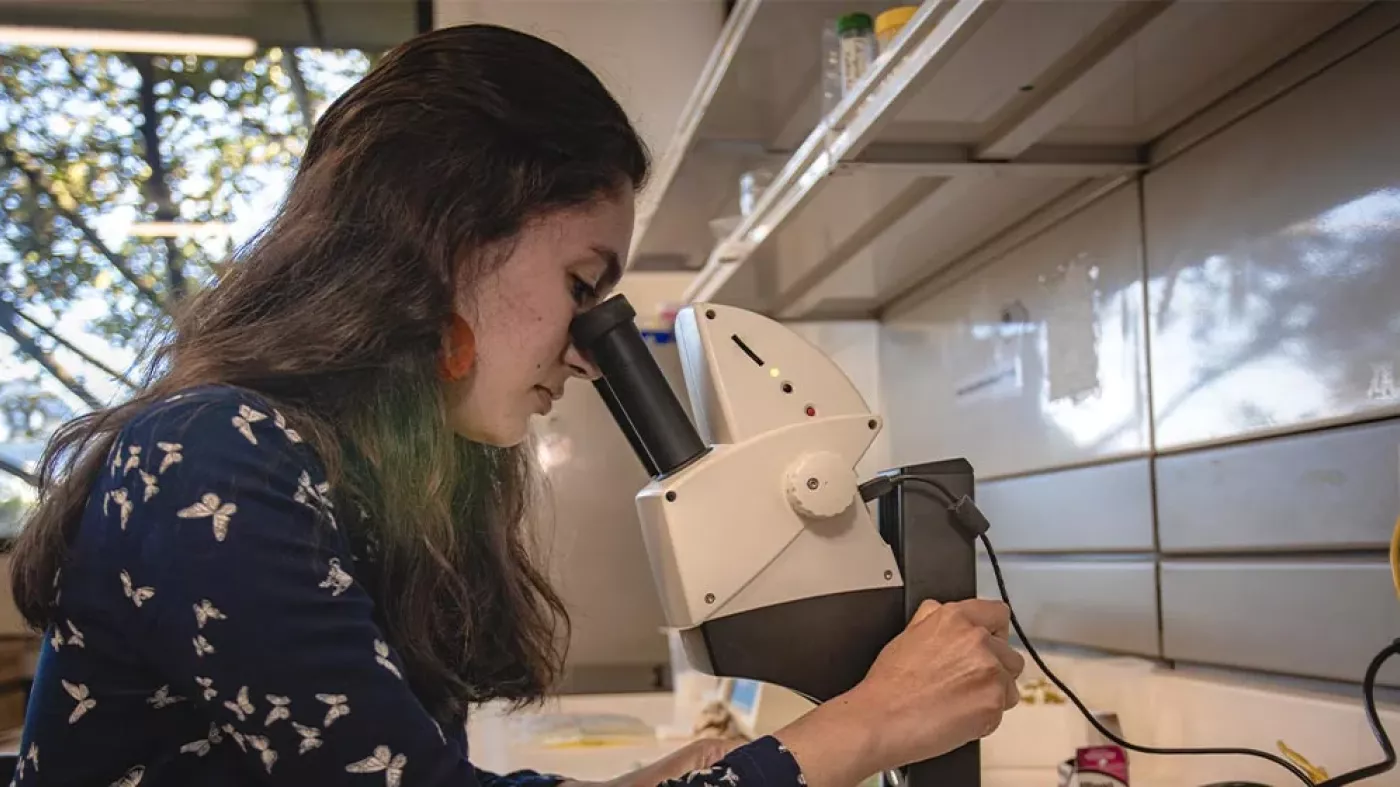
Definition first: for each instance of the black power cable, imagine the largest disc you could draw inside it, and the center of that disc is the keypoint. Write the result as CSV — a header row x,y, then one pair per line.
x,y
971,520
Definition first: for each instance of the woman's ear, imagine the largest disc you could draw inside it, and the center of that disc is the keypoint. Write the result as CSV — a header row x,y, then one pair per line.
x,y
458,350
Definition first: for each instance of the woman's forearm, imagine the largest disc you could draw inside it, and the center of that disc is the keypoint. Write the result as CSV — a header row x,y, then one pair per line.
x,y
833,744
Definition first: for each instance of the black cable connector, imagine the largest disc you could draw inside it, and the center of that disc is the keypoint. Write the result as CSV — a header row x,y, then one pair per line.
x,y
972,522
879,486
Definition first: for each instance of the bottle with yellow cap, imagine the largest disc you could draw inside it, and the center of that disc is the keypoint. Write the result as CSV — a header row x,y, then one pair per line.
x,y
890,22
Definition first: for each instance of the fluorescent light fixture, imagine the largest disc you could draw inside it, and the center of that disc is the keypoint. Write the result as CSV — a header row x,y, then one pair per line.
x,y
128,41
179,229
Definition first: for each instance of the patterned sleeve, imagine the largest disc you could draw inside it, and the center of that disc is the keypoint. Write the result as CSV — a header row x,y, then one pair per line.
x,y
242,597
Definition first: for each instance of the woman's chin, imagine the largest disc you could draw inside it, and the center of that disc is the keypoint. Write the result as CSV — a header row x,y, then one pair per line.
x,y
507,433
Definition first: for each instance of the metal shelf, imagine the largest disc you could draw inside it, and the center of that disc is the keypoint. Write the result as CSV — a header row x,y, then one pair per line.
x,y
986,122
757,97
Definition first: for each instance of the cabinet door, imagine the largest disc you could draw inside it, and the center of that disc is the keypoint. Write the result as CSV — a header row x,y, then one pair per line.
x,y
1335,489
1105,508
1034,363
1316,618
1271,253
1109,603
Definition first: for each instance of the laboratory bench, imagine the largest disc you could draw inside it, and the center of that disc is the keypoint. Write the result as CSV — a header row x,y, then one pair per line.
x,y
503,741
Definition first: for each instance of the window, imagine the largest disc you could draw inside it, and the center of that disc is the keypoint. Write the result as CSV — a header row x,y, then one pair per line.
x,y
126,179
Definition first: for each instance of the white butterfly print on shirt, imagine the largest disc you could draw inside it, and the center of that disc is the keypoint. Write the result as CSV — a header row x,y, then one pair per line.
x,y
131,778
116,459
172,455
202,646
240,706
339,706
236,735
151,487
282,424
33,755
211,506
337,580
133,459
385,761
138,596
75,637
381,655
244,421
124,504
56,641
205,611
310,737
279,709
163,698
79,692
208,684
265,752
203,747
308,492
315,496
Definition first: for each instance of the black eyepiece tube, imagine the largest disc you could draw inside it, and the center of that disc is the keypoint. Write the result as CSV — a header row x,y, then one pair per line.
x,y
642,402
625,423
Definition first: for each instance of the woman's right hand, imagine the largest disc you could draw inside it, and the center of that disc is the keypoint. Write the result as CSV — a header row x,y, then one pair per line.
x,y
944,681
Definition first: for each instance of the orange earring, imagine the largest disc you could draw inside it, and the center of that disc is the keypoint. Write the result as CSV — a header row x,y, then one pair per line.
x,y
459,350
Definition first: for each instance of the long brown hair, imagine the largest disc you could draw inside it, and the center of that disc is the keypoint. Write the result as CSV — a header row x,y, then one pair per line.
x,y
335,313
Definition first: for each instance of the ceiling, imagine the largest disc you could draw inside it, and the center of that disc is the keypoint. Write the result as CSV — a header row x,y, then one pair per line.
x,y
349,24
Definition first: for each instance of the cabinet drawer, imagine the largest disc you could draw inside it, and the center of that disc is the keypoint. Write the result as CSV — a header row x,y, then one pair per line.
x,y
1106,603
1311,617
1090,509
1334,489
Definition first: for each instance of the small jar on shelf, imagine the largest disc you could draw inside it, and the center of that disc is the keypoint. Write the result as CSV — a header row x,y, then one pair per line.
x,y
856,33
889,22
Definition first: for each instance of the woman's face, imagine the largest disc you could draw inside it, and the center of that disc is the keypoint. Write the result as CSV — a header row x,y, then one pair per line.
x,y
560,265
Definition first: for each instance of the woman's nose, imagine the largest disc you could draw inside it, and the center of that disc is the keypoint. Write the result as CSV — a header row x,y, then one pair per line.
x,y
580,366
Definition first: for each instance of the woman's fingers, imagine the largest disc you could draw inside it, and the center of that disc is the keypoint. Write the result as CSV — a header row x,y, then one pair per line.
x,y
993,616
1011,661
1013,694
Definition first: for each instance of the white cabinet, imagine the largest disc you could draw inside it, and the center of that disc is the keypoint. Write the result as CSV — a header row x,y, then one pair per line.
x,y
1335,490
1035,362
1273,254
1316,618
1107,603
1104,508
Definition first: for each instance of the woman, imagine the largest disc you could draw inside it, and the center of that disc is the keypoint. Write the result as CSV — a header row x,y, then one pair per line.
x,y
297,556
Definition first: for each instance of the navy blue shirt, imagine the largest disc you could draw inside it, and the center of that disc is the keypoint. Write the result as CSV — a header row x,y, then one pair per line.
x,y
210,630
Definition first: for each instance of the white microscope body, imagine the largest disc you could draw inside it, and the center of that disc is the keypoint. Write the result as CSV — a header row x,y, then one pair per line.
x,y
772,513
766,558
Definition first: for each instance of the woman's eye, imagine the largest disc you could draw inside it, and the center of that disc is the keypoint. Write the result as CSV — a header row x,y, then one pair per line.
x,y
584,294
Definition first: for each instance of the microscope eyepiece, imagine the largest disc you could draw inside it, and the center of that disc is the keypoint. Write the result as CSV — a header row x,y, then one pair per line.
x,y
634,388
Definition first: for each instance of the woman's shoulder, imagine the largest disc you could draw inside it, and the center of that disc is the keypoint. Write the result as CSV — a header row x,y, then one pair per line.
x,y
207,452
212,414
225,429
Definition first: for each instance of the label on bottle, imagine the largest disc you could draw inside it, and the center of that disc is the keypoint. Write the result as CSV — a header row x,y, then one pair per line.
x,y
857,53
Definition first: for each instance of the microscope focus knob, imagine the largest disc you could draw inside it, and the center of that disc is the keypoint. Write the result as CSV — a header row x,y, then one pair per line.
x,y
820,485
